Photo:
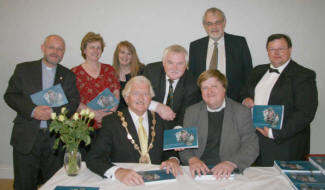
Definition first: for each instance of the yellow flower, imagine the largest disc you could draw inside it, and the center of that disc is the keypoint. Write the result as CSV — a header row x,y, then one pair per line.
x,y
83,111
91,115
63,109
53,115
75,116
61,118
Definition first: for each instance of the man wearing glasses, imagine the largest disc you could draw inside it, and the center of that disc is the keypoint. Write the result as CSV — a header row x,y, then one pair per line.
x,y
219,50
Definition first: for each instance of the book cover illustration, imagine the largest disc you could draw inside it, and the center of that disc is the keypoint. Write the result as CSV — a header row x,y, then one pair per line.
x,y
52,97
75,188
306,186
156,176
304,178
268,115
319,162
180,138
295,166
104,100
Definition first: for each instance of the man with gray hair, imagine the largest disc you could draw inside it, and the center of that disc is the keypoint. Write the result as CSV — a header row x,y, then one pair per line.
x,y
35,161
130,135
173,84
219,50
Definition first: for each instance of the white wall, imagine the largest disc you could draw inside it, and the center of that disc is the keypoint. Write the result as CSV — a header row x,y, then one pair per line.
x,y
152,25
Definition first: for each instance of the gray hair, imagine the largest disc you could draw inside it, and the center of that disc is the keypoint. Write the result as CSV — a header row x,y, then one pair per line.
x,y
175,49
51,36
214,10
137,79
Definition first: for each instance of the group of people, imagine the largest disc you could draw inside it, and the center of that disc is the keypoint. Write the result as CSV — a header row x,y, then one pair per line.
x,y
211,88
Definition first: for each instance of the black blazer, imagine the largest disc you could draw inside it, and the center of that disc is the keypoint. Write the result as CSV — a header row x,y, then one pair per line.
x,y
26,80
296,90
112,145
238,62
186,92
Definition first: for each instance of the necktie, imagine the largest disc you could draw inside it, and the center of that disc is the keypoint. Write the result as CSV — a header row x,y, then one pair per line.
x,y
143,138
274,70
214,58
170,97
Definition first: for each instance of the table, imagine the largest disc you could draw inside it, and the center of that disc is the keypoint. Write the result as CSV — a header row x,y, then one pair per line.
x,y
254,178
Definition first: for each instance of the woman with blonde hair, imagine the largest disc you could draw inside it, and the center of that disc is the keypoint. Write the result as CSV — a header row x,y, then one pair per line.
x,y
127,65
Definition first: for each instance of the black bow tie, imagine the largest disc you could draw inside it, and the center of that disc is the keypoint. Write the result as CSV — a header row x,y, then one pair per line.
x,y
274,70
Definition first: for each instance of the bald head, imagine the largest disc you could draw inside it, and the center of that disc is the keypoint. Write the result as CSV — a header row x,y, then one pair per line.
x,y
53,49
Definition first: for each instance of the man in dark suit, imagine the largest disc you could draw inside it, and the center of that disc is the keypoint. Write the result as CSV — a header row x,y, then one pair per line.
x,y
171,76
226,137
130,135
33,155
219,50
283,82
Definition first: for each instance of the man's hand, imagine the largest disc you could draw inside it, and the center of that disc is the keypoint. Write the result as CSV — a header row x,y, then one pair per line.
x,y
223,169
128,177
165,112
264,131
197,166
248,102
42,113
172,165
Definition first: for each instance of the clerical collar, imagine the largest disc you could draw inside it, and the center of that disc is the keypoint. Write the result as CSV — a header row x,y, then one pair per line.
x,y
223,105
282,67
48,68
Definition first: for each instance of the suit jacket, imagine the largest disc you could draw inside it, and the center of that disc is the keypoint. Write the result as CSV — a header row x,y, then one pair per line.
x,y
296,90
112,144
238,141
186,92
238,62
27,80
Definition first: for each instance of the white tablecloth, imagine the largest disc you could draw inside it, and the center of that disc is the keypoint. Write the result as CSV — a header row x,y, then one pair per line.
x,y
254,178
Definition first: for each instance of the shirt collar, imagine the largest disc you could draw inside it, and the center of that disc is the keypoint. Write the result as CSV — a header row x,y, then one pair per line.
x,y
135,117
221,41
223,105
282,67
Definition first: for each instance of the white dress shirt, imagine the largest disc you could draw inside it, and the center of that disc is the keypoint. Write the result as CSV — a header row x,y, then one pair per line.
x,y
153,104
264,87
221,54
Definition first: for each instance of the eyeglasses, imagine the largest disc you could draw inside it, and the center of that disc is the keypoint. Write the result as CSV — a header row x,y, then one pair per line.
x,y
217,23
281,50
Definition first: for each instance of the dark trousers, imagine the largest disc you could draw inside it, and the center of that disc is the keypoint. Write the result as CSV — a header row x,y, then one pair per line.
x,y
37,166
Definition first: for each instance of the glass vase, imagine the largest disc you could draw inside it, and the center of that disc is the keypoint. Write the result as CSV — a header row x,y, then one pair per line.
x,y
72,162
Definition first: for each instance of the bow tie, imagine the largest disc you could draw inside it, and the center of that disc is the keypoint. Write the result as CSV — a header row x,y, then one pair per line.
x,y
274,70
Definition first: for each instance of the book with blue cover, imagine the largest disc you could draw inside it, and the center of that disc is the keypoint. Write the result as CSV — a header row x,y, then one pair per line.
x,y
305,178
104,100
75,188
180,138
296,166
268,116
319,162
307,186
52,97
156,176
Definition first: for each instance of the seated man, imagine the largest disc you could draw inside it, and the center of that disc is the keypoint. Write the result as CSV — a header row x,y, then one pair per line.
x,y
173,84
226,136
130,135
